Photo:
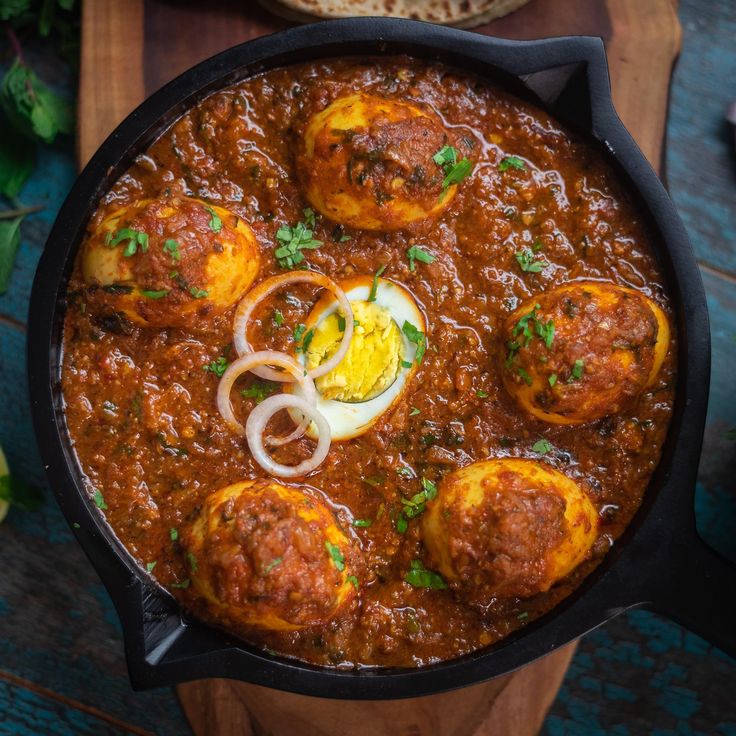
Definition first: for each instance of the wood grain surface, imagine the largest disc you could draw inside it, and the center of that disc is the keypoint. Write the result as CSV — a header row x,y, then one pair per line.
x,y
125,41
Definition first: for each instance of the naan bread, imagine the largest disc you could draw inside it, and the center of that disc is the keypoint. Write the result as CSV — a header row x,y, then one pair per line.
x,y
462,13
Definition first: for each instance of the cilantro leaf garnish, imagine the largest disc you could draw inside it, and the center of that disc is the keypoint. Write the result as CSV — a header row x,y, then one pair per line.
x,y
511,162
542,446
215,222
293,240
198,293
338,559
417,253
171,247
578,369
258,390
419,577
455,171
99,499
150,566
414,506
135,238
362,523
274,563
528,263
154,293
374,286
218,366
417,337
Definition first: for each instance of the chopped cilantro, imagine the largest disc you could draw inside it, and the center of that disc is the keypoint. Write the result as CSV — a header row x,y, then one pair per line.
x,y
192,560
526,260
172,248
481,394
577,371
523,616
417,253
215,222
198,293
511,162
150,566
154,294
414,411
552,379
299,331
362,523
405,471
182,585
417,337
292,241
306,342
455,171
278,318
310,217
406,364
353,580
258,390
419,577
337,557
99,499
136,239
173,534
542,446
274,563
525,376
414,506
374,285
401,524
218,367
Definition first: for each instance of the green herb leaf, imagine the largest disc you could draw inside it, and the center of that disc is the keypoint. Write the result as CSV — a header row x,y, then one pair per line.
x,y
481,394
278,318
182,585
192,560
173,534
419,577
198,293
292,241
401,524
9,242
362,523
527,262
99,499
31,107
511,162
274,563
578,369
135,238
353,580
171,247
542,446
17,493
417,337
455,171
218,367
299,331
258,390
215,222
525,376
338,560
152,294
552,379
150,566
310,217
374,285
414,412
417,253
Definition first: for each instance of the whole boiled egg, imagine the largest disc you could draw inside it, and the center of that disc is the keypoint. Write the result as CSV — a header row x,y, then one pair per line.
x,y
387,345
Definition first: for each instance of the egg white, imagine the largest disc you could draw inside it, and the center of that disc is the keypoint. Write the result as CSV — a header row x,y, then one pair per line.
x,y
348,420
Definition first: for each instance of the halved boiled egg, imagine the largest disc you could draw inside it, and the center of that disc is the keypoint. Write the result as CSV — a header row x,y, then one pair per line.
x,y
388,336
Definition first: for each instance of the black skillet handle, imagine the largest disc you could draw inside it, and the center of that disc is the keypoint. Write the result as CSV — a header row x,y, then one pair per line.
x,y
697,589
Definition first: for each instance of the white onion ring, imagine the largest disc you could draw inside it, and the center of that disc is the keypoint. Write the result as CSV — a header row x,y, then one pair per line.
x,y
256,426
247,363
249,302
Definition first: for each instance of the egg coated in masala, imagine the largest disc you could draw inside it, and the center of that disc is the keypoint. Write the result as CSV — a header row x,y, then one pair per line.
x,y
271,556
162,262
381,359
583,351
367,162
508,528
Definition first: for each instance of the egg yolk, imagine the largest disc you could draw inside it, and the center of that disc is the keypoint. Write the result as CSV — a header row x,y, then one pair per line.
x,y
373,359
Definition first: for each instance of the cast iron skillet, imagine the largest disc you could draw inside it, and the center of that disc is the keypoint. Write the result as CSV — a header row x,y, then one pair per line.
x,y
660,562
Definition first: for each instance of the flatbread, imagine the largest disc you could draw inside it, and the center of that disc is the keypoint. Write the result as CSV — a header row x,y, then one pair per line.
x,y
460,13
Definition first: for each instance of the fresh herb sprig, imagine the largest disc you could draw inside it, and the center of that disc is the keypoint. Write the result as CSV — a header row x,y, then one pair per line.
x,y
456,169
293,240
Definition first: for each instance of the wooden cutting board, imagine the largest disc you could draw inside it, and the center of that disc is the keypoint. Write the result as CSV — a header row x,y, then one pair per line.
x,y
129,50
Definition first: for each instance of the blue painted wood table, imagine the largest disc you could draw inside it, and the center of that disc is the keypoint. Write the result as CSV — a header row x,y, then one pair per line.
x,y
61,656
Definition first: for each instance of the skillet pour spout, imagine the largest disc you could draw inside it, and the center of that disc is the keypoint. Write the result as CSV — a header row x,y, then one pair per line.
x,y
659,562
